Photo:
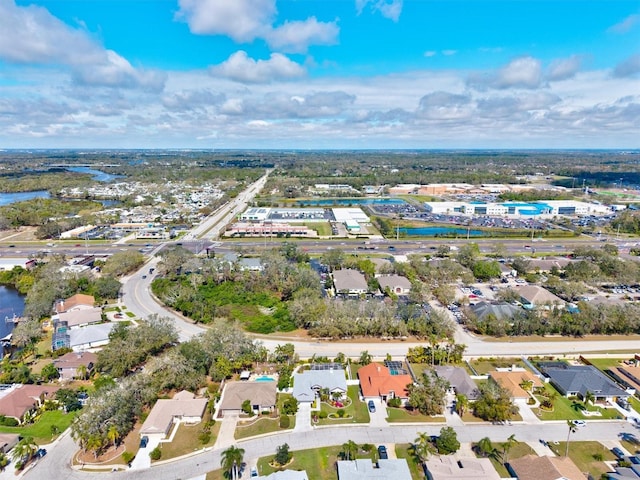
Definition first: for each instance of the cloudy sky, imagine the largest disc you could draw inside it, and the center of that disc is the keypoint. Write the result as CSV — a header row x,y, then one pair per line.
x,y
319,74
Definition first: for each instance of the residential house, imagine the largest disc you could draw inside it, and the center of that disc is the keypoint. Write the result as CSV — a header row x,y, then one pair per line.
x,y
444,467
499,310
286,475
577,380
8,441
83,338
396,284
79,301
262,396
548,264
72,364
459,380
533,296
18,400
377,381
350,282
627,375
532,467
507,271
308,384
365,469
632,472
514,380
78,317
182,408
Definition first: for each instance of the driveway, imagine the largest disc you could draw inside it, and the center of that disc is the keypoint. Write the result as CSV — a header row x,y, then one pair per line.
x,y
526,413
379,417
303,417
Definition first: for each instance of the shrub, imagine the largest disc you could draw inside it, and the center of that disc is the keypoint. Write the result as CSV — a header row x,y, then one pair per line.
x,y
394,402
323,414
204,437
127,457
156,453
340,412
366,447
8,421
285,421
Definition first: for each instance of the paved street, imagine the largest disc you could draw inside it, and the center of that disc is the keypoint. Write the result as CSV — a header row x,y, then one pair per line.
x,y
186,468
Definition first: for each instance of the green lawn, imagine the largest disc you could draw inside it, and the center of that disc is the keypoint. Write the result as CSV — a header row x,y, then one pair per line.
x,y
400,415
356,412
571,409
41,430
605,363
186,439
258,427
582,454
403,450
486,365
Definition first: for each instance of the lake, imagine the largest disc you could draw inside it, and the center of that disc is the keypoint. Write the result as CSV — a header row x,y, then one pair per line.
x,y
11,303
440,231
9,198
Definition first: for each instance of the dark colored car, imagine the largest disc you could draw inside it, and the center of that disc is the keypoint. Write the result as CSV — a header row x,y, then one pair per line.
x,y
144,441
618,453
41,452
372,406
382,452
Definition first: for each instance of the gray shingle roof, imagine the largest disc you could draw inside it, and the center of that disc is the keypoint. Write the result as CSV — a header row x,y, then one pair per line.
x,y
460,380
305,384
581,378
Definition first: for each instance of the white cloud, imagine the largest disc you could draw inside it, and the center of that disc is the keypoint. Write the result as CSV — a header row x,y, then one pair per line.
x,y
390,9
430,53
628,67
242,20
564,68
522,72
247,20
448,53
626,24
32,35
296,36
239,67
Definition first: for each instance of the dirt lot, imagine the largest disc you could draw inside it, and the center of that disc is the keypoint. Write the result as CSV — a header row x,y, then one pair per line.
x,y
22,234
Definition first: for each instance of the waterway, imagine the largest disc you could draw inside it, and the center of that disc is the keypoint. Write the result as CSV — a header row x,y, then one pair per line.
x,y
9,198
440,232
11,303
98,175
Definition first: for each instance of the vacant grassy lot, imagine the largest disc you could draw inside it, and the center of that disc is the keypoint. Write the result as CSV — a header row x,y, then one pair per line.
x,y
400,415
41,430
583,455
486,365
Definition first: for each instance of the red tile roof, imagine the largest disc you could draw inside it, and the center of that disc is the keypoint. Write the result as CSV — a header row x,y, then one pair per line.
x,y
376,380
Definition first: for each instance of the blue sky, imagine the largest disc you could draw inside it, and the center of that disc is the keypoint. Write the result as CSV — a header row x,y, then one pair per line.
x,y
319,74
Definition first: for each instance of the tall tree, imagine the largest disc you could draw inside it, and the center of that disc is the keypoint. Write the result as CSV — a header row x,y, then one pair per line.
x,y
572,429
231,460
349,450
24,450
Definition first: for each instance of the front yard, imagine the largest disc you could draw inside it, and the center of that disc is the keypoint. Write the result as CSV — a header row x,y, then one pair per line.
x,y
402,415
41,430
188,439
588,456
572,409
355,412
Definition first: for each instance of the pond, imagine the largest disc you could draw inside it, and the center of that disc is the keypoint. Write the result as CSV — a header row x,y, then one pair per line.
x,y
9,198
11,303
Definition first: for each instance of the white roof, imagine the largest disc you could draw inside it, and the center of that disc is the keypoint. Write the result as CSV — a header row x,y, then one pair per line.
x,y
306,383
90,334
362,469
346,214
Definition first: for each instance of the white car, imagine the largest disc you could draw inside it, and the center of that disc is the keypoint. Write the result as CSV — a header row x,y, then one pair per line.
x,y
579,423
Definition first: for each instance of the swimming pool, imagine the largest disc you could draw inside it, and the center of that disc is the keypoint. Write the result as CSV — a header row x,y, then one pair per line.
x,y
264,378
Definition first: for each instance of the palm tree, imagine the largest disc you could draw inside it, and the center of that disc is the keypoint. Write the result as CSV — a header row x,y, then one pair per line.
x,y
81,372
589,397
486,447
232,459
506,447
113,435
572,429
24,450
349,450
462,403
422,446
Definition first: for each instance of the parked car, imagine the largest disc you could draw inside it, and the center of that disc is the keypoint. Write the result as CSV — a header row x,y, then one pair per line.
x,y
41,452
579,423
254,472
372,406
382,452
144,441
618,453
